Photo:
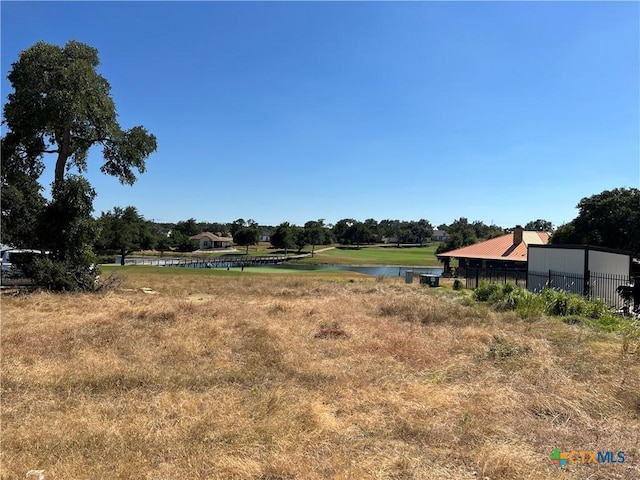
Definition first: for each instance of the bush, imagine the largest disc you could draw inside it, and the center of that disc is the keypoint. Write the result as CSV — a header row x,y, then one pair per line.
x,y
65,276
552,302
485,290
457,284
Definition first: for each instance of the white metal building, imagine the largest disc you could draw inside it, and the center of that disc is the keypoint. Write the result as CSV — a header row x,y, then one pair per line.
x,y
582,269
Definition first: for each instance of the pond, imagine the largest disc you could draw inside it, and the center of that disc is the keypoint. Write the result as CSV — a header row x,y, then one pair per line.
x,y
367,270
376,271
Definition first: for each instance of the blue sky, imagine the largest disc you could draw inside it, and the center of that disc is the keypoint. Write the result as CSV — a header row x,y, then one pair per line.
x,y
503,112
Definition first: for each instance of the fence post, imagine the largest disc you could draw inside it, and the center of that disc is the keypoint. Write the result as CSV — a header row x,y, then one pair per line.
x,y
587,281
549,280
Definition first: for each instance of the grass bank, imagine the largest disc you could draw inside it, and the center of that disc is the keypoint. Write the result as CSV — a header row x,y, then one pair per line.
x,y
231,376
377,255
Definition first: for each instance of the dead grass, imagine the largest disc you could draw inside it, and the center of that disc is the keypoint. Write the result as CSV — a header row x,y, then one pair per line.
x,y
269,377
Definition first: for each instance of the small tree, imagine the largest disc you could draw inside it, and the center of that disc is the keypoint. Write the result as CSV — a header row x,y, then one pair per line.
x,y
245,234
314,232
67,233
299,237
123,230
283,237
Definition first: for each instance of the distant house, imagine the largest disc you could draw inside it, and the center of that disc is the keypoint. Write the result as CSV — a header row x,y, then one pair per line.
x,y
439,236
265,236
210,241
507,251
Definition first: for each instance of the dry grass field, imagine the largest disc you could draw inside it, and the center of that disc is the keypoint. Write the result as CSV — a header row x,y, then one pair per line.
x,y
305,377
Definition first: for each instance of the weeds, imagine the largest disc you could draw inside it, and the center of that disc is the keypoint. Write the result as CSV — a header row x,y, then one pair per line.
x,y
501,349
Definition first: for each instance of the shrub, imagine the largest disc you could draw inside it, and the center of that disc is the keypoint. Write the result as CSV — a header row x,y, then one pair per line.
x,y
485,290
457,284
64,276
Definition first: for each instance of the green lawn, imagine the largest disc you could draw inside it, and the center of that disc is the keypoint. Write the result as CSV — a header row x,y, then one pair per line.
x,y
377,255
137,270
338,255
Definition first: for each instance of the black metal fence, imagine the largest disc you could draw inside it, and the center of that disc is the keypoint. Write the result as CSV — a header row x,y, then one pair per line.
x,y
591,285
475,276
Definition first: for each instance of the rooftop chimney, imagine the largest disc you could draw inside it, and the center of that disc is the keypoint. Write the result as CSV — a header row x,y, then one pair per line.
x,y
517,235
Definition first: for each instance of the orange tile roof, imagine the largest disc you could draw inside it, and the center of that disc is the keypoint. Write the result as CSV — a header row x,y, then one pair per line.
x,y
211,236
501,248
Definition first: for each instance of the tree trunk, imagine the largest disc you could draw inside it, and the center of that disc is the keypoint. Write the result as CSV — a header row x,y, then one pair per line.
x,y
123,254
63,156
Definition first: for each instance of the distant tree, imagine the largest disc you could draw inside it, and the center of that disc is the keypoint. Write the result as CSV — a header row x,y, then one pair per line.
x,y
163,243
181,235
608,219
236,225
341,230
188,227
373,227
461,234
215,227
299,237
182,243
283,237
359,234
421,231
539,225
314,233
123,230
351,232
245,234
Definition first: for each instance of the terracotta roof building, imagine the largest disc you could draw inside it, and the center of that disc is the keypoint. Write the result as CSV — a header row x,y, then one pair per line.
x,y
208,240
506,251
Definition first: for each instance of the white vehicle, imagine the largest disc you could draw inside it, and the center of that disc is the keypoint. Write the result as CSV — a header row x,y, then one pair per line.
x,y
9,270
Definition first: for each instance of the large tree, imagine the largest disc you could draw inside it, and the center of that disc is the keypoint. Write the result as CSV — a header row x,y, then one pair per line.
x,y
608,219
62,105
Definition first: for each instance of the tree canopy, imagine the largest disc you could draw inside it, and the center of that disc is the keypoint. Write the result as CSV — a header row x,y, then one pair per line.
x,y
244,233
124,230
62,105
609,219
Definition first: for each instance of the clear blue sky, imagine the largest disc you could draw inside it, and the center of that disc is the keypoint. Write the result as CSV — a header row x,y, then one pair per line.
x,y
503,112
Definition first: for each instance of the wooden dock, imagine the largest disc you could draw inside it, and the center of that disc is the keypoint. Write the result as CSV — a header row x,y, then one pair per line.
x,y
227,261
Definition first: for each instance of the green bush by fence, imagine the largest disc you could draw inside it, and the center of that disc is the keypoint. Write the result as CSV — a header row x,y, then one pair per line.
x,y
508,297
